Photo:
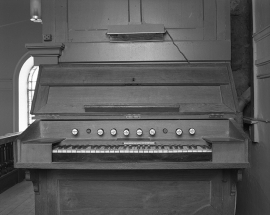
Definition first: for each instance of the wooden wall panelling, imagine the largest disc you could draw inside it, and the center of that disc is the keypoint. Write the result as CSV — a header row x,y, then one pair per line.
x,y
223,20
135,13
104,52
88,20
174,14
183,19
48,18
61,28
210,20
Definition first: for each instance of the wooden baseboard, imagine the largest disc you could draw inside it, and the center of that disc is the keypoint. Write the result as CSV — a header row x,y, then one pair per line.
x,y
10,179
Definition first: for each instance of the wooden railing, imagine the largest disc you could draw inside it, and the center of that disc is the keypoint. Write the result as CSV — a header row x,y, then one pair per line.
x,y
8,175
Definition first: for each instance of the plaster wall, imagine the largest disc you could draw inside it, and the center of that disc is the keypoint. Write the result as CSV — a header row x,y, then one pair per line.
x,y
254,190
15,30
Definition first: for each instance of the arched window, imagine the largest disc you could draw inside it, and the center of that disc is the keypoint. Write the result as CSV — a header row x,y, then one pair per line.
x,y
24,82
31,85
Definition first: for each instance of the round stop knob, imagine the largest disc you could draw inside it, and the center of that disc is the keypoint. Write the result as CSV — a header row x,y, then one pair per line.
x,y
126,132
100,132
75,131
192,131
139,132
179,131
152,132
113,132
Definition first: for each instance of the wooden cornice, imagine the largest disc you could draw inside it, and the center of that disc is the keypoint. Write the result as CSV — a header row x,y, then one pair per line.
x,y
45,53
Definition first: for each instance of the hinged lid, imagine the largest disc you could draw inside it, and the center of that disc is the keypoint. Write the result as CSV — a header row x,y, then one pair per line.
x,y
161,90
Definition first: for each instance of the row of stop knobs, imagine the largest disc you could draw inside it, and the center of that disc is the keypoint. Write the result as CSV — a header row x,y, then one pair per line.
x,y
139,132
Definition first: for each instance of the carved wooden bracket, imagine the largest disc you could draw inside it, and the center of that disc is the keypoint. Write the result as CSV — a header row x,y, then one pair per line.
x,y
45,53
34,177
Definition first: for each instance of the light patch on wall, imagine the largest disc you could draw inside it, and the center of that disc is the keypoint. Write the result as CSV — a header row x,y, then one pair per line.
x,y
23,77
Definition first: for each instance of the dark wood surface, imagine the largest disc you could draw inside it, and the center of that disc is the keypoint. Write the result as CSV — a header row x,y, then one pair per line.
x,y
197,88
134,192
134,166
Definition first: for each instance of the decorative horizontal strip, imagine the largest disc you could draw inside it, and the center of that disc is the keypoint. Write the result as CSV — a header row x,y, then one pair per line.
x,y
263,76
263,61
5,84
261,34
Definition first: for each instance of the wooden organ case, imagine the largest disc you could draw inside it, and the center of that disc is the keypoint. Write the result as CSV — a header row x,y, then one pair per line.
x,y
125,124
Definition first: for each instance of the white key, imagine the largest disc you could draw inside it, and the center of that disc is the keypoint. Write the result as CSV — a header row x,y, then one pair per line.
x,y
55,150
69,149
88,149
117,149
185,149
93,149
199,149
135,149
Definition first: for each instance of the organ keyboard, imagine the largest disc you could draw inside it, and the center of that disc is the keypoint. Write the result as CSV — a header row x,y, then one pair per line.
x,y
131,153
131,149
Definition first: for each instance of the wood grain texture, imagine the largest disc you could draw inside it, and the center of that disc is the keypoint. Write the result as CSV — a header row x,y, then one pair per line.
x,y
125,74
66,89
134,192
134,166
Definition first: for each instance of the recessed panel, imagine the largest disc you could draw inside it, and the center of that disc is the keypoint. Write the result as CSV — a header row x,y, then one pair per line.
x,y
134,95
133,197
85,15
174,13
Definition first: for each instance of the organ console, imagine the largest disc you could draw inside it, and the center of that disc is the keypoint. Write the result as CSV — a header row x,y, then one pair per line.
x,y
151,136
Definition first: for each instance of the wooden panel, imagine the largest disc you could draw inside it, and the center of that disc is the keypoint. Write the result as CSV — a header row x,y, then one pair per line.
x,y
227,96
174,13
134,166
135,15
166,51
210,20
147,74
184,34
204,128
232,152
96,14
61,32
88,36
36,153
132,197
223,20
40,101
73,99
151,192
